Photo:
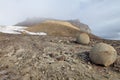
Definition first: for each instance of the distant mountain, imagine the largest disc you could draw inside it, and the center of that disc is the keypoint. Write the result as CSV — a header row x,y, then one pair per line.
x,y
32,21
55,28
35,21
80,25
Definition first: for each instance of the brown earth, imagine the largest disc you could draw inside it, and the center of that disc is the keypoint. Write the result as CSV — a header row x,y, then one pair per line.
x,y
35,21
58,28
55,29
26,57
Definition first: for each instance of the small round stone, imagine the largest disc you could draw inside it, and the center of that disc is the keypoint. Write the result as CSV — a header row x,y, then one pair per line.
x,y
83,38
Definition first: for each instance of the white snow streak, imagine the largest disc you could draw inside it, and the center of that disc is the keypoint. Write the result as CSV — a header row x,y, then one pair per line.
x,y
18,30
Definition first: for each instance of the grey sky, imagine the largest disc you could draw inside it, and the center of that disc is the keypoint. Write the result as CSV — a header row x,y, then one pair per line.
x,y
103,16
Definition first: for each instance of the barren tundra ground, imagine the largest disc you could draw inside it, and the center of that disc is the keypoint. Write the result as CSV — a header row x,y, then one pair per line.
x,y
26,57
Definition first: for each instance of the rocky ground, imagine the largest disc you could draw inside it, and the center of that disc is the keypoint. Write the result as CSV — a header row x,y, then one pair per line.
x,y
25,57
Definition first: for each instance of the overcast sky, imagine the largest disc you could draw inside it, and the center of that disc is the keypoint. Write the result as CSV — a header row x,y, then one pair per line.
x,y
102,16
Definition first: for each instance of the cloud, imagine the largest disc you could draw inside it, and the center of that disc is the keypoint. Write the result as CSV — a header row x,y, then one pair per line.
x,y
102,16
12,11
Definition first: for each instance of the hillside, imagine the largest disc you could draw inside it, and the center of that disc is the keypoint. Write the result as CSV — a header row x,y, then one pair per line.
x,y
35,21
55,28
48,27
83,27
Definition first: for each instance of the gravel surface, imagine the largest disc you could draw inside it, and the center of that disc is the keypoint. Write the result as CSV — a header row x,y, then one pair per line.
x,y
25,57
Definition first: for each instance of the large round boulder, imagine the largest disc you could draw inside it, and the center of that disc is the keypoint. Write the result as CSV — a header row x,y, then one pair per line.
x,y
83,38
103,54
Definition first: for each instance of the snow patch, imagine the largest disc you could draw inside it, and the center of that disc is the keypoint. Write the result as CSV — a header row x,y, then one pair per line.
x,y
33,33
11,29
18,30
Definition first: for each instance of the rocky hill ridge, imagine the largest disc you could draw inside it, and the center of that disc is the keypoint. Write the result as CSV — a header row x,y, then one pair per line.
x,y
35,21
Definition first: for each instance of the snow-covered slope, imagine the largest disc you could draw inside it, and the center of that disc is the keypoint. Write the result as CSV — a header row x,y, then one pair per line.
x,y
18,30
11,29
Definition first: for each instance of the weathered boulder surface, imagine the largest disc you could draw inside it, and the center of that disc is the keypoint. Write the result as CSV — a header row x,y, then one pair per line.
x,y
103,54
83,38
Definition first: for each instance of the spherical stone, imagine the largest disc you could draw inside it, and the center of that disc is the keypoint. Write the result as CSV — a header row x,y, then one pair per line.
x,y
83,38
103,54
